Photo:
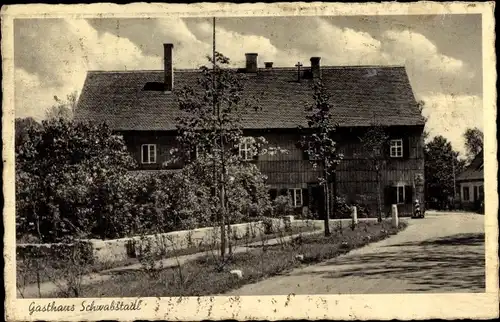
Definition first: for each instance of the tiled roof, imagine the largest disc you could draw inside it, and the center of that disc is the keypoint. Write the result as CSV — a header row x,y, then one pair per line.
x,y
474,171
362,96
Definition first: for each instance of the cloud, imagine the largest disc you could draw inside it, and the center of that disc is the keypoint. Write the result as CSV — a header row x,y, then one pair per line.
x,y
52,57
341,46
234,45
32,97
450,115
428,69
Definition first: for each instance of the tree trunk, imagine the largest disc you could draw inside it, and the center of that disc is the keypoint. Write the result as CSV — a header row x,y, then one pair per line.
x,y
334,208
327,205
379,201
229,243
223,217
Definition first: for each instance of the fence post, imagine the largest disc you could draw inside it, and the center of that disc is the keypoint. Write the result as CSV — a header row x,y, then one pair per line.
x,y
395,220
354,215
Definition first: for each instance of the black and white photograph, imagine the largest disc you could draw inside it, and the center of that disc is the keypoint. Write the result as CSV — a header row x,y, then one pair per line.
x,y
245,155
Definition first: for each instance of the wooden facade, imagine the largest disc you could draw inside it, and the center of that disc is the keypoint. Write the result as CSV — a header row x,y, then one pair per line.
x,y
401,179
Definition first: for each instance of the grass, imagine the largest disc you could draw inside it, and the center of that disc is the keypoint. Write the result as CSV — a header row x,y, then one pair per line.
x,y
48,268
206,276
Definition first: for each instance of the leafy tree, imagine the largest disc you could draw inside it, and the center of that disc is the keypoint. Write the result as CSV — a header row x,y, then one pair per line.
x,y
22,127
60,171
473,142
63,109
374,141
442,164
320,145
211,124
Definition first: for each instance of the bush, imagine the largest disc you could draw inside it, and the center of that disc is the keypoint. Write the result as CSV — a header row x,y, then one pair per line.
x,y
60,169
73,179
344,209
282,205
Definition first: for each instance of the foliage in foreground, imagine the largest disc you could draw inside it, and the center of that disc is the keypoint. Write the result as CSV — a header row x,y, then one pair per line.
x,y
204,277
73,180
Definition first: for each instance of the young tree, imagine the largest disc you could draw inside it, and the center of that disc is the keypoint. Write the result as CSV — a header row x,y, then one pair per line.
x,y
374,141
441,166
63,109
210,127
321,146
473,142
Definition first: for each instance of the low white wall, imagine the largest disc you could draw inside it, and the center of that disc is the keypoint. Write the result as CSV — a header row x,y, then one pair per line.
x,y
123,248
114,250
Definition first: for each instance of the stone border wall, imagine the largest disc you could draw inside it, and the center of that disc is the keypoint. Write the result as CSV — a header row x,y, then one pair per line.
x,y
114,250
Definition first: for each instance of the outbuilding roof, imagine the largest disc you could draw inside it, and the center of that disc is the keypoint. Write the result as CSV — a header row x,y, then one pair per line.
x,y
474,171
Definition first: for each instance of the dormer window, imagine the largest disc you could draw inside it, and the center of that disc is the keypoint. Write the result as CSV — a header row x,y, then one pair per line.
x,y
148,153
396,148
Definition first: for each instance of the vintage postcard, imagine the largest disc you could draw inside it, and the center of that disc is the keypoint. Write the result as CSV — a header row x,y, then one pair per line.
x,y
250,161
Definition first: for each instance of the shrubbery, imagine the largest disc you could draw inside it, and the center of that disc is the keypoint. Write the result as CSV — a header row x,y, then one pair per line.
x,y
344,209
74,180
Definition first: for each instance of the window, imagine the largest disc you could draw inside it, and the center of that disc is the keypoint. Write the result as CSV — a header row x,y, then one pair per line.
x,y
296,195
400,195
396,148
148,154
466,194
476,193
245,150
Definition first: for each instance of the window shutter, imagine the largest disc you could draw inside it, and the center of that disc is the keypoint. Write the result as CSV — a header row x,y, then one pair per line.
x,y
235,150
388,195
394,195
273,193
145,153
283,192
408,194
305,197
406,148
386,149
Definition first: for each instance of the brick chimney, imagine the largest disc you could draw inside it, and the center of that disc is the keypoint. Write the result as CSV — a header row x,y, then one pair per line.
x,y
315,67
268,64
251,64
168,67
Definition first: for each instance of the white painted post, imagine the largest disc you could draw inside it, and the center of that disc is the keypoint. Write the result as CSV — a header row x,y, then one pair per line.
x,y
395,220
354,215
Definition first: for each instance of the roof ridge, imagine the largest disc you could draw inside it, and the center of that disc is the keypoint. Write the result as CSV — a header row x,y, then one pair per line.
x,y
239,68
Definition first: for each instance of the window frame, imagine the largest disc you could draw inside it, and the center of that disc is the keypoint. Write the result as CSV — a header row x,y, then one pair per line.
x,y
399,202
293,195
149,146
395,145
246,148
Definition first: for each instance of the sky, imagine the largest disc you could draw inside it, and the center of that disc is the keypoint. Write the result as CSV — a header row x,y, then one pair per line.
x,y
442,54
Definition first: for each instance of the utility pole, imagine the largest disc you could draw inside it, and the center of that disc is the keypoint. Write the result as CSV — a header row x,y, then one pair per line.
x,y
219,185
454,178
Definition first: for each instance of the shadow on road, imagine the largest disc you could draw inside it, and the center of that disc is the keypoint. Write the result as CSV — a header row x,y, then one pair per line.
x,y
451,264
455,240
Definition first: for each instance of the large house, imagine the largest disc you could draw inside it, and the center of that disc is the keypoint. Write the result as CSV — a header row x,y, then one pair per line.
x,y
142,106
471,183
